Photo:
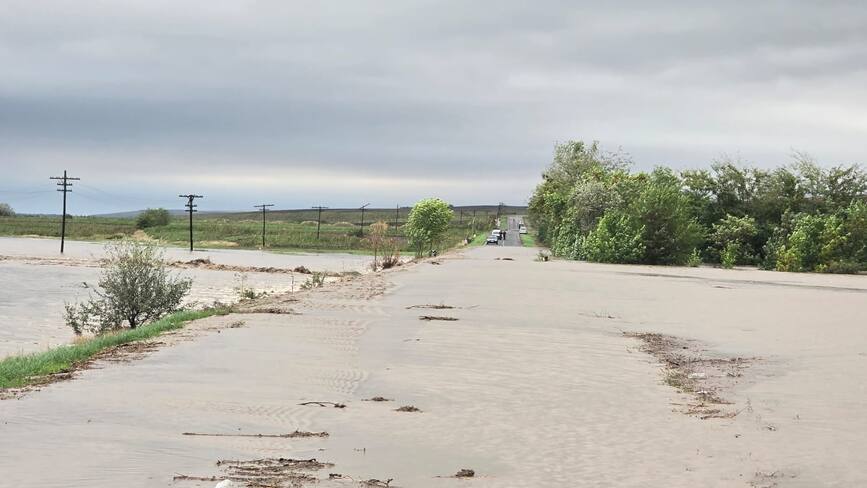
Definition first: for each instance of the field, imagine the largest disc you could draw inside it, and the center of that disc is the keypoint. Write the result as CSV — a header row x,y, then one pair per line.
x,y
340,230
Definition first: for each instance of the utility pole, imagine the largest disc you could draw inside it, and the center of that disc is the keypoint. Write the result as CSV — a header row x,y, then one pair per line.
x,y
318,219
264,206
191,207
362,218
499,210
461,219
396,217
64,185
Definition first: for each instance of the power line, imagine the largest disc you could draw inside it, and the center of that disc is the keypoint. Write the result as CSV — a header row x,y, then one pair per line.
x,y
191,207
64,185
264,207
318,219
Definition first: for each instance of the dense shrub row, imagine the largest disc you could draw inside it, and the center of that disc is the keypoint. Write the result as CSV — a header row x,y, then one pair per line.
x,y
797,218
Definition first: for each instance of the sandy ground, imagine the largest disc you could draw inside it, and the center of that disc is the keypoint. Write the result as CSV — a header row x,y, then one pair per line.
x,y
535,384
37,280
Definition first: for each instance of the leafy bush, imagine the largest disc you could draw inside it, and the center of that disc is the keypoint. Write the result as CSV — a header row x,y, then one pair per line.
x,y
135,288
616,239
731,238
153,217
6,210
694,259
427,224
801,217
317,280
730,255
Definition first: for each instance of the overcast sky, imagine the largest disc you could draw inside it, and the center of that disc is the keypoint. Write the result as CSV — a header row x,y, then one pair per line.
x,y
344,103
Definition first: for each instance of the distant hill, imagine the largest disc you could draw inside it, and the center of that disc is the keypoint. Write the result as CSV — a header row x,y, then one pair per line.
x,y
131,214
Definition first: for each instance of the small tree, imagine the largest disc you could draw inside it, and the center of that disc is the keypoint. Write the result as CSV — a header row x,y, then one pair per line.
x,y
135,288
427,224
152,217
376,238
6,210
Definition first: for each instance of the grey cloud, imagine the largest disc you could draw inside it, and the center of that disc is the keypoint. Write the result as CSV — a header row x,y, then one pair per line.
x,y
422,89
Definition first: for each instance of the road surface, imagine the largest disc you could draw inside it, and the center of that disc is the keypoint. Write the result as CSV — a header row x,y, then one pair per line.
x,y
513,237
532,385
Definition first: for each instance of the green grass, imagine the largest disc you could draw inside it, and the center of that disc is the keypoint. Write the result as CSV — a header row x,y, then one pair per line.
x,y
480,238
29,369
285,230
527,240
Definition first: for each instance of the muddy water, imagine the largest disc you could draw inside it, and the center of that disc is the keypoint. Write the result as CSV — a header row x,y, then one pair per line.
x,y
36,281
535,385
89,251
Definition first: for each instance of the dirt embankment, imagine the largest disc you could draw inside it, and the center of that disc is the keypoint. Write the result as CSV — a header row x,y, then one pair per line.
x,y
206,263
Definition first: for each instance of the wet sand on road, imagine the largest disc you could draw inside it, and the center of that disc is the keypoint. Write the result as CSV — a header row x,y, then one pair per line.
x,y
535,384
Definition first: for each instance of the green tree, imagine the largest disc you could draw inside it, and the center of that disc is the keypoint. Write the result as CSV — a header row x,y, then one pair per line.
x,y
152,217
670,231
427,224
6,210
135,288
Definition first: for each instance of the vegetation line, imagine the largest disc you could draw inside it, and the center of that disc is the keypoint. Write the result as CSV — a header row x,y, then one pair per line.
x,y
801,217
37,368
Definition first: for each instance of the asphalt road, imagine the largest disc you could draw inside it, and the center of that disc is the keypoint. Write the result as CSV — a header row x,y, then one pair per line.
x,y
513,237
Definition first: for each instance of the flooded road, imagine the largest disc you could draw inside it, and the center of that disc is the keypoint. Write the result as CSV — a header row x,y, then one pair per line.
x,y
532,385
36,281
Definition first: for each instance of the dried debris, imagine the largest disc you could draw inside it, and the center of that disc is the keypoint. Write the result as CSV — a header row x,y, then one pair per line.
x,y
695,372
437,317
377,483
465,473
206,263
290,435
377,399
769,480
325,404
407,408
262,473
271,310
441,306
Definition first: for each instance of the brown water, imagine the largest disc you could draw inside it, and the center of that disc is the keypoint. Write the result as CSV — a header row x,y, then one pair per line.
x,y
535,385
36,281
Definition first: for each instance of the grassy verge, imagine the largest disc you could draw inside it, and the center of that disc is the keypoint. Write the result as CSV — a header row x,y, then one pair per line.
x,y
479,240
527,240
31,369
239,231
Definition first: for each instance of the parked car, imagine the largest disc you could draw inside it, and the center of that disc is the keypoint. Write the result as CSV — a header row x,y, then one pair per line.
x,y
492,239
522,229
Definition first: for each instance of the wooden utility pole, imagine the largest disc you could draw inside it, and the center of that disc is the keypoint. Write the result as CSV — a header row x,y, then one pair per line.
x,y
362,218
264,207
64,185
318,219
396,216
191,207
